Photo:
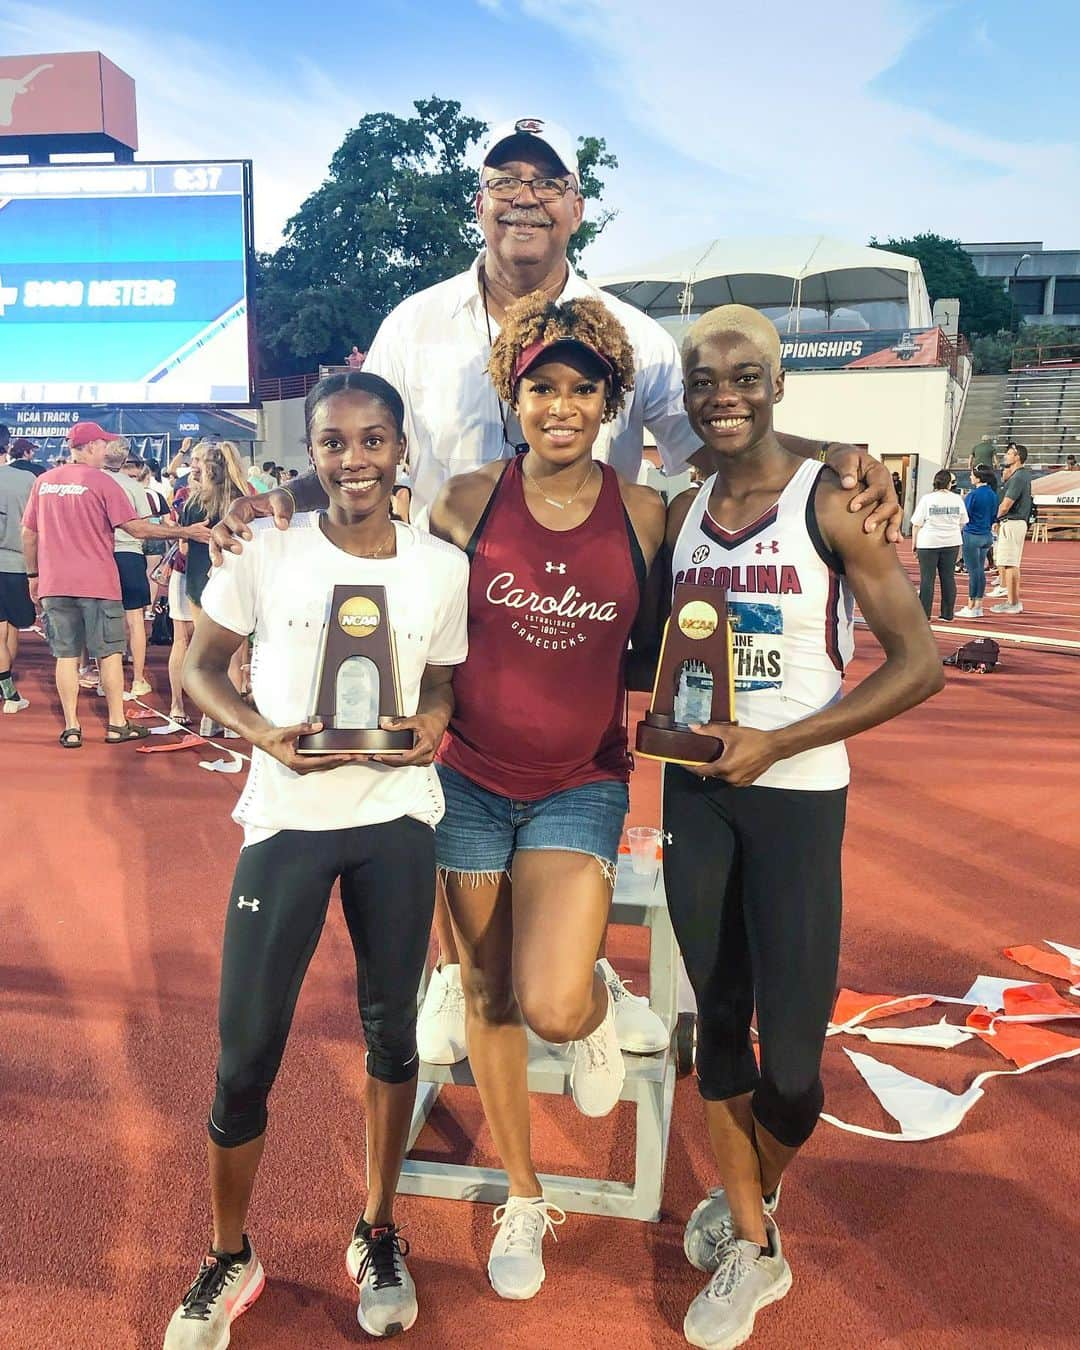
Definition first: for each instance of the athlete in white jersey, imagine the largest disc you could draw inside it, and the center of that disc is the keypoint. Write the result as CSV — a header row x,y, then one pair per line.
x,y
752,856
791,614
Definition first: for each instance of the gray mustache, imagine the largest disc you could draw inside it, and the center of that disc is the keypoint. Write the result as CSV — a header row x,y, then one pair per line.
x,y
524,216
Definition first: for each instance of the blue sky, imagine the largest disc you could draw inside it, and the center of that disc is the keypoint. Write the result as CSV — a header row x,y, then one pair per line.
x,y
882,116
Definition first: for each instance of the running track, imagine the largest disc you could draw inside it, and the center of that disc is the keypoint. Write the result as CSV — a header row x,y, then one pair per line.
x,y
962,839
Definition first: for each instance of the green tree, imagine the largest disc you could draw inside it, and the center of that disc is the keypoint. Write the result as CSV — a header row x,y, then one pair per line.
x,y
394,215
949,272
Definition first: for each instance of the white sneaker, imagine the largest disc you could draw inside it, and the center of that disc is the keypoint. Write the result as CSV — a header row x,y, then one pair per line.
x,y
138,689
14,705
221,1291
637,1028
997,592
709,1229
970,612
746,1280
208,727
1018,608
440,1027
598,1074
516,1264
376,1262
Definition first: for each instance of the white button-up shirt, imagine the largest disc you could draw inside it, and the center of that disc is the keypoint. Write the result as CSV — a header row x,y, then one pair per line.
x,y
434,349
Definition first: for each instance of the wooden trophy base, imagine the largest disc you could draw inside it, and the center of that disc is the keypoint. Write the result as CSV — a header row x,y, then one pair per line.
x,y
663,738
356,741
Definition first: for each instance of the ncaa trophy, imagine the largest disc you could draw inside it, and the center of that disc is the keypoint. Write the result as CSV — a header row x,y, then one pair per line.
x,y
358,679
697,635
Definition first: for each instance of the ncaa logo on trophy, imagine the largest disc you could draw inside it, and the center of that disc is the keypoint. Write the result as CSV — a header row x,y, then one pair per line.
x,y
358,679
697,636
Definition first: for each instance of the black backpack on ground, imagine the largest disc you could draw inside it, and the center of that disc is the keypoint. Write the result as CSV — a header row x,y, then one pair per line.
x,y
981,654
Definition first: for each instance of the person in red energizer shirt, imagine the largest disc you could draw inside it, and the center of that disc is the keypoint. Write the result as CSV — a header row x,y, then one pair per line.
x,y
67,540
536,781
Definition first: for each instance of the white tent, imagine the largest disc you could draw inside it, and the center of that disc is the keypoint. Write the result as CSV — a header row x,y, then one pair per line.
x,y
803,283
1057,489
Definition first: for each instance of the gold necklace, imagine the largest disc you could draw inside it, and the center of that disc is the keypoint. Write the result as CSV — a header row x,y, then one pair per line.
x,y
551,500
382,547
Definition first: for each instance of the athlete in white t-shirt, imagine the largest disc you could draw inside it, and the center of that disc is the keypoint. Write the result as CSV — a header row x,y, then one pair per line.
x,y
365,821
753,838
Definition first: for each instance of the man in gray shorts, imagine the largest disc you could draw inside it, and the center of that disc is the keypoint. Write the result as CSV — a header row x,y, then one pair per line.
x,y
67,540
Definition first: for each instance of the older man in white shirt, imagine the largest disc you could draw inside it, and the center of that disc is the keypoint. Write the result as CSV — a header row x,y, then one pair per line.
x,y
434,349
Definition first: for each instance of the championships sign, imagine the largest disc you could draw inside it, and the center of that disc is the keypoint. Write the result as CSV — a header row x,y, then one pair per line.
x,y
866,350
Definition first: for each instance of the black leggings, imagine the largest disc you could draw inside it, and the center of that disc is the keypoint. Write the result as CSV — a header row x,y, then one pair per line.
x,y
940,563
277,909
753,886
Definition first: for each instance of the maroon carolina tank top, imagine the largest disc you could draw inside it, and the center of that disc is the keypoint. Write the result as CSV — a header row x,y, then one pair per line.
x,y
541,697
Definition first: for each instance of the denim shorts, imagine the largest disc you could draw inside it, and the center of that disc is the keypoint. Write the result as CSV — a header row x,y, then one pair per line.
x,y
481,830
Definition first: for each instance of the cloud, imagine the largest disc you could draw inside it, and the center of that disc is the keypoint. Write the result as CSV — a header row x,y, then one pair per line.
x,y
776,126
206,102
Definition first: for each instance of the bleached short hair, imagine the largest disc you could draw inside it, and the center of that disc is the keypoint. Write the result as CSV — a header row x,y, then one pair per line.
x,y
741,319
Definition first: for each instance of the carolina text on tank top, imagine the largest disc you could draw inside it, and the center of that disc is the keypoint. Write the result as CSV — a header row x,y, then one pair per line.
x,y
791,611
540,699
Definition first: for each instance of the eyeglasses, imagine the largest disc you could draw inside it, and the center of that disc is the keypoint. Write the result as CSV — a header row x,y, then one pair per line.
x,y
505,189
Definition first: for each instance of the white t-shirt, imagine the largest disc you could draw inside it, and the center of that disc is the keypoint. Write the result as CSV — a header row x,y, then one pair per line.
x,y
434,348
280,590
940,517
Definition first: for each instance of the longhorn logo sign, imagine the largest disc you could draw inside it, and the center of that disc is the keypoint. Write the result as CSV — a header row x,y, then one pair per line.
x,y
10,89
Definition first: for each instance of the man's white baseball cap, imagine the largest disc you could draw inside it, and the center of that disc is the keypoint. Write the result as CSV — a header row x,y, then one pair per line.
x,y
553,137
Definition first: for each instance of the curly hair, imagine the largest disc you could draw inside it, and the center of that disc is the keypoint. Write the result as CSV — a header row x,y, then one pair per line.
x,y
535,318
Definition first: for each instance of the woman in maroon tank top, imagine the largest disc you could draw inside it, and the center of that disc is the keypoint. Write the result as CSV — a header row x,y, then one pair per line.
x,y
535,764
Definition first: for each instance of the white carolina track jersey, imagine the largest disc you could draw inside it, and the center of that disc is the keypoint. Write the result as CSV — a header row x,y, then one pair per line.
x,y
791,614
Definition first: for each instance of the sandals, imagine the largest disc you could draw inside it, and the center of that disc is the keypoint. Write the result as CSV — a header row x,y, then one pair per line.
x,y
181,719
117,735
71,738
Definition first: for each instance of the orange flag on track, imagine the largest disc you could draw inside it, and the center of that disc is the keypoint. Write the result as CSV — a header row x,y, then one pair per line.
x,y
1046,963
850,1004
1025,1044
1039,1002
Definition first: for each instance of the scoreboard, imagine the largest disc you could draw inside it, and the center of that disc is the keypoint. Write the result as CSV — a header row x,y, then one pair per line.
x,y
125,283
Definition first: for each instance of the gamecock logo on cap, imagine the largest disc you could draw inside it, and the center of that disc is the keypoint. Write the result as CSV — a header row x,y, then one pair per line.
x,y
532,124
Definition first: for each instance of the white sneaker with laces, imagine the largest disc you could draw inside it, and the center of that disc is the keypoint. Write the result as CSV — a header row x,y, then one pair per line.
x,y
138,689
376,1262
598,1074
997,591
516,1264
709,1228
440,1027
1006,608
637,1028
745,1281
223,1289
970,612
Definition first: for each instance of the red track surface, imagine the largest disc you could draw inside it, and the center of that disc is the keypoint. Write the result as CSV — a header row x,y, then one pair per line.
x,y
962,839
1050,590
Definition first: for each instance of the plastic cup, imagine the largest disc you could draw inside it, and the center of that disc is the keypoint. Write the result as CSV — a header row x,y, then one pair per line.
x,y
644,840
